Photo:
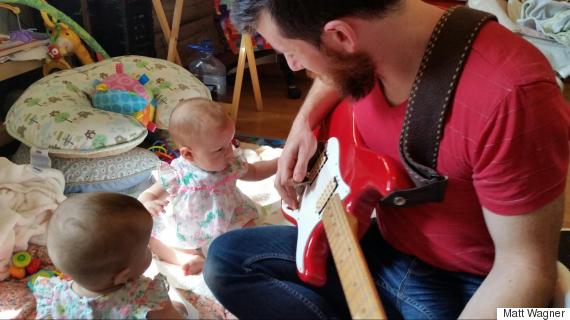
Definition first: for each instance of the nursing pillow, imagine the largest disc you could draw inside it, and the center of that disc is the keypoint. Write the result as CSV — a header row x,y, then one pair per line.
x,y
56,113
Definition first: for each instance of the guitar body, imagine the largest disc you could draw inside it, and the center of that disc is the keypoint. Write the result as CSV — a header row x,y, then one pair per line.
x,y
358,175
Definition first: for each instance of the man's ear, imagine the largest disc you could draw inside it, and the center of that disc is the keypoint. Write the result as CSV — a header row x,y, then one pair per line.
x,y
339,35
122,276
186,153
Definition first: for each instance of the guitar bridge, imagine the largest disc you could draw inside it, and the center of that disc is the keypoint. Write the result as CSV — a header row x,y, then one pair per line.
x,y
326,195
316,163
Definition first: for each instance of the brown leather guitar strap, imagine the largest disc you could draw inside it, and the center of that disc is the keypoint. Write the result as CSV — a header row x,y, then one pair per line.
x,y
431,96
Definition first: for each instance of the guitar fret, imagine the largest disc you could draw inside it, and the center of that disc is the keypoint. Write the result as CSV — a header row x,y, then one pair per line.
x,y
326,194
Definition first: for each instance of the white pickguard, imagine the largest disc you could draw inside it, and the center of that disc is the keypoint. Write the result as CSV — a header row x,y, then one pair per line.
x,y
307,216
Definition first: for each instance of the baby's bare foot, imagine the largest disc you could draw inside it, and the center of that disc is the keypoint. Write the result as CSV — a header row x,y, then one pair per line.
x,y
181,309
193,265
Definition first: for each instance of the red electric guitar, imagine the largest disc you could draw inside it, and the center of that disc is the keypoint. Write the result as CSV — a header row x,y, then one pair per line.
x,y
344,177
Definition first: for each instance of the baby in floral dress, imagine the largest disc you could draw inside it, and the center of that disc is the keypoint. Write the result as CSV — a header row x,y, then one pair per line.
x,y
196,198
101,241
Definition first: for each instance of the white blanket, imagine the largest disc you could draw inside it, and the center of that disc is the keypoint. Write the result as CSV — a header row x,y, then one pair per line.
x,y
27,198
531,15
499,9
552,18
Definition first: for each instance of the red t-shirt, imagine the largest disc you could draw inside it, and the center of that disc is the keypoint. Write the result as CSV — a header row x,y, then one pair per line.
x,y
504,147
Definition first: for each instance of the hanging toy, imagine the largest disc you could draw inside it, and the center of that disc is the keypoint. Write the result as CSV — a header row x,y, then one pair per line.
x,y
67,40
56,51
53,52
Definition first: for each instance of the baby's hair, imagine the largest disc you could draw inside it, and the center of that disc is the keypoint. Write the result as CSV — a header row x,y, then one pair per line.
x,y
91,236
192,117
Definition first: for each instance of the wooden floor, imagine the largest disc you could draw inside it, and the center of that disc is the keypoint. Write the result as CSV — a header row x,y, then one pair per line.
x,y
279,111
276,118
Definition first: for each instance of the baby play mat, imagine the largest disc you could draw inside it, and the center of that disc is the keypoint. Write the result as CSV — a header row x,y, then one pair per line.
x,y
56,112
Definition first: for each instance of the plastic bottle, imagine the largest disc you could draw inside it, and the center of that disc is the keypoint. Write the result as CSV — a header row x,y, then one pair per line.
x,y
209,69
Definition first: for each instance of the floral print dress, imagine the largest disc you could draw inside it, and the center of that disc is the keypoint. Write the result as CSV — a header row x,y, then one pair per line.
x,y
55,299
203,204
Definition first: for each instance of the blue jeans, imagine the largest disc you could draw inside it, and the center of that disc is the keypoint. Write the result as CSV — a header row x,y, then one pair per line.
x,y
252,273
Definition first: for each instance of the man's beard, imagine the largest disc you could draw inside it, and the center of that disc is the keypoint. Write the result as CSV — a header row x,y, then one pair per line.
x,y
353,74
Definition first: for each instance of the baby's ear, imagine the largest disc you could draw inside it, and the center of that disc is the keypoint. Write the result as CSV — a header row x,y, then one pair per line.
x,y
186,153
122,276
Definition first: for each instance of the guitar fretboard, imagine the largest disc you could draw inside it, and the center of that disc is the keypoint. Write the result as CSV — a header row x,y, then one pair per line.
x,y
358,286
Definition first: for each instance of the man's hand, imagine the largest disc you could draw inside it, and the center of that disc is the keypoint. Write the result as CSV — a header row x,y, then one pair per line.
x,y
292,165
301,142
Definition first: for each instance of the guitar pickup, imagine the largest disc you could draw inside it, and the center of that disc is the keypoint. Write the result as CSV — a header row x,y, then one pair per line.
x,y
316,163
328,191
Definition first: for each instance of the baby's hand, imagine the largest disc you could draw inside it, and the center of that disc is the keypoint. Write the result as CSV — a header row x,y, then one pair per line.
x,y
156,206
193,265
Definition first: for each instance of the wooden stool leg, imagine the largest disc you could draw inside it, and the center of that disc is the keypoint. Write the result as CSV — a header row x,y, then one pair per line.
x,y
253,72
245,51
239,79
164,26
173,41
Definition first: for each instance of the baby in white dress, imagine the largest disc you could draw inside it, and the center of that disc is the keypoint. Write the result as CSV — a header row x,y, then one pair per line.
x,y
196,198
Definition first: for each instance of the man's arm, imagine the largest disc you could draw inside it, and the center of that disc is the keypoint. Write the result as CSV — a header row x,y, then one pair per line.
x,y
524,271
301,143
321,98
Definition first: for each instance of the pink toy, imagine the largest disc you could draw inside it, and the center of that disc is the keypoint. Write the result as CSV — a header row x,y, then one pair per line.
x,y
122,81
124,94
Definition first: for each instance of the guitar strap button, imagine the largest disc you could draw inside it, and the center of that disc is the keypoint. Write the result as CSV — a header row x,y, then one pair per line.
x,y
399,201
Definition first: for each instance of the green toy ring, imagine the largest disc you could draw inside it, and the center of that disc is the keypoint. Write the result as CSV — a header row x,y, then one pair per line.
x,y
21,259
44,274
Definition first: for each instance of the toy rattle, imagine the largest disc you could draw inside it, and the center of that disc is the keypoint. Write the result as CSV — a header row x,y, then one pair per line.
x,y
23,264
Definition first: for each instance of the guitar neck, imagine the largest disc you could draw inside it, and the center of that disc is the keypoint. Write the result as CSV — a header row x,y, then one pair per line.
x,y
357,284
